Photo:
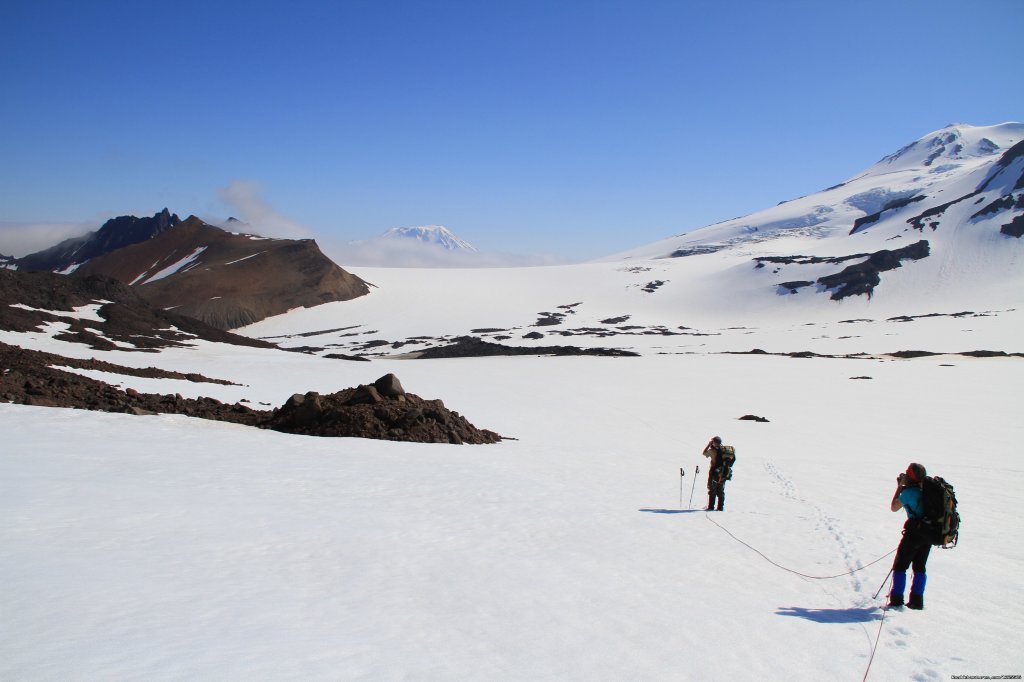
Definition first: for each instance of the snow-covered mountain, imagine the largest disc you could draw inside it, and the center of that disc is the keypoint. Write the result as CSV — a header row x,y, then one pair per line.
x,y
426,246
437,235
949,207
921,185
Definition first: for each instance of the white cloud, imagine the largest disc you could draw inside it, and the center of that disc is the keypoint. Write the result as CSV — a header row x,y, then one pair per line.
x,y
21,239
245,197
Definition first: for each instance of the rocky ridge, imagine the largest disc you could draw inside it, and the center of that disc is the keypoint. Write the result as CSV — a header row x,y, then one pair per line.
x,y
116,233
100,312
382,410
227,280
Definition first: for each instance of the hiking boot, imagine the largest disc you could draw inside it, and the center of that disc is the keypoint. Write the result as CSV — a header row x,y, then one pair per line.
x,y
896,601
720,509
915,602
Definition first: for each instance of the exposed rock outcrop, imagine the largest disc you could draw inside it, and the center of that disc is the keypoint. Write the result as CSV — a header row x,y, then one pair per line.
x,y
472,347
382,410
859,278
116,233
1014,228
862,278
225,279
121,319
27,378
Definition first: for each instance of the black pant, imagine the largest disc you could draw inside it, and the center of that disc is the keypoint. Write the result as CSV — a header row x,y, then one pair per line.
x,y
913,550
716,490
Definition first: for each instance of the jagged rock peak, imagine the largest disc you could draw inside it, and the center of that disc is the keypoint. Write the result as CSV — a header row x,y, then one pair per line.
x,y
116,233
139,227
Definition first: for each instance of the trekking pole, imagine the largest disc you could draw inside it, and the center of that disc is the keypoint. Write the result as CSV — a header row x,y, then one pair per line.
x,y
695,472
681,474
881,587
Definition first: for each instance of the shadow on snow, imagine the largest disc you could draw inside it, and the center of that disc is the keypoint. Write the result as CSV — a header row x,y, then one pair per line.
x,y
671,511
852,615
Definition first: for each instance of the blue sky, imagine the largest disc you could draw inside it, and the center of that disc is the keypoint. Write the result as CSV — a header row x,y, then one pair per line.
x,y
575,129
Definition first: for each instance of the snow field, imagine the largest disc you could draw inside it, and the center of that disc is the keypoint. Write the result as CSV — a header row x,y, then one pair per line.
x,y
411,303
185,549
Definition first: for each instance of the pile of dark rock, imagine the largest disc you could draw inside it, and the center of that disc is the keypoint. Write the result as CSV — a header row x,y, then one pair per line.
x,y
381,410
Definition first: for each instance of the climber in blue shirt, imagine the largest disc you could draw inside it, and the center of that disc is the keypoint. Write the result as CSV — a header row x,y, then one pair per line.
x,y
909,498
915,545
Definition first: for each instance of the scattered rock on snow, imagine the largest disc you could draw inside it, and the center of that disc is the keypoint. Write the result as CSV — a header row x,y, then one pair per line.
x,y
469,346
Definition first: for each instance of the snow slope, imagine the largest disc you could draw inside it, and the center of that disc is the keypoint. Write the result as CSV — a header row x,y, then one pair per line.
x,y
942,166
941,189
699,307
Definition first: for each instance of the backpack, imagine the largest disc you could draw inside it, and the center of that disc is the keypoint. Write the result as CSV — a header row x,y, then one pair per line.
x,y
941,521
728,458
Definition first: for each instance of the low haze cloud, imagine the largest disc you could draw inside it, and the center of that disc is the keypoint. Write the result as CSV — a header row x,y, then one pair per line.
x,y
21,239
397,253
246,198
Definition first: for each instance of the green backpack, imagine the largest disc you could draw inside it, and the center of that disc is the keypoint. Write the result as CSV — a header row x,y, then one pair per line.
x,y
728,455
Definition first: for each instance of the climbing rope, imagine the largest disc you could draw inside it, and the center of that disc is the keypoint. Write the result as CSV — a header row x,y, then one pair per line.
x,y
882,621
878,635
802,575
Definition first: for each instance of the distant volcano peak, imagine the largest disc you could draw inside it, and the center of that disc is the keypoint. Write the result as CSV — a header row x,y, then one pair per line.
x,y
438,235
